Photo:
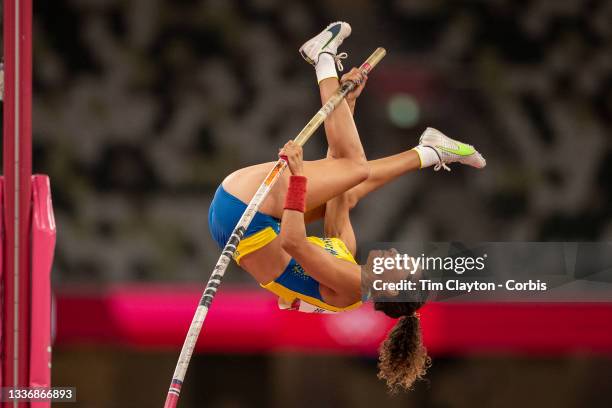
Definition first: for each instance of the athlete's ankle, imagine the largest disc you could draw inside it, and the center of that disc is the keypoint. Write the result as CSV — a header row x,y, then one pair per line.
x,y
427,155
325,67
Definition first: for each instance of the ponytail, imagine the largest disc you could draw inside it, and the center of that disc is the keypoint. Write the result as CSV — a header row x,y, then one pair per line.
x,y
403,357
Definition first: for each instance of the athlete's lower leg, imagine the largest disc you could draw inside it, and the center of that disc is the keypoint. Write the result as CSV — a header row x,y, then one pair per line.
x,y
346,165
337,222
384,171
322,52
434,149
342,136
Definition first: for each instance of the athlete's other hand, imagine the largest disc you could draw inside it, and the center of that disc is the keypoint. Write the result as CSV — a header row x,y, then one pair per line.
x,y
359,78
293,154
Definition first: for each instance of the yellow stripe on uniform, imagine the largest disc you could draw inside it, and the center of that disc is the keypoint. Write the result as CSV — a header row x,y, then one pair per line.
x,y
289,295
254,242
334,246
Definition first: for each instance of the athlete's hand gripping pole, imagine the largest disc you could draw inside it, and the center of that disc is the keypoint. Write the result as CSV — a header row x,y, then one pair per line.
x,y
230,248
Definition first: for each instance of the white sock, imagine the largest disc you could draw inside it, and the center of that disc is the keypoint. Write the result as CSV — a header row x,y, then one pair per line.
x,y
428,156
325,67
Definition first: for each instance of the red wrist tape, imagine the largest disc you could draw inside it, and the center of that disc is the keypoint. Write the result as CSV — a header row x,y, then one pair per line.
x,y
296,194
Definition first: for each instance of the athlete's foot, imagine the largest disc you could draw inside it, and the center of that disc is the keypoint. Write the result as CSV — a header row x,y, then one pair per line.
x,y
327,42
450,151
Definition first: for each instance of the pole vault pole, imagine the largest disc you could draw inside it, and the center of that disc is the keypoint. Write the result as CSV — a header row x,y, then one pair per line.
x,y
230,248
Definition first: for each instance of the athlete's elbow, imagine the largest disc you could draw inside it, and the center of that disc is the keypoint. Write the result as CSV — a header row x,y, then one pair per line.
x,y
291,244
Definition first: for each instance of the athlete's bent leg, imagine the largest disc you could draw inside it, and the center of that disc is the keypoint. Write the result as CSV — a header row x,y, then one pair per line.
x,y
345,167
434,149
382,172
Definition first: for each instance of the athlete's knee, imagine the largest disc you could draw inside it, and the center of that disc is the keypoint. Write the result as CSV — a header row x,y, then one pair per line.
x,y
342,204
351,199
361,170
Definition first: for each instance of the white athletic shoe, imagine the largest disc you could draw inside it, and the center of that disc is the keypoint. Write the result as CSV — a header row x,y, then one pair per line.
x,y
327,41
451,151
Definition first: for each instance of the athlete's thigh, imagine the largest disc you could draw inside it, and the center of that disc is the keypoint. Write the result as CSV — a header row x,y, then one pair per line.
x,y
243,183
327,178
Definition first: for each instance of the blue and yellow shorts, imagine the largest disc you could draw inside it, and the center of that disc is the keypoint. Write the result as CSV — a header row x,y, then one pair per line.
x,y
223,215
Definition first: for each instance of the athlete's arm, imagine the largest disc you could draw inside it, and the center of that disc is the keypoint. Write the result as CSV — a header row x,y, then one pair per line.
x,y
293,228
337,275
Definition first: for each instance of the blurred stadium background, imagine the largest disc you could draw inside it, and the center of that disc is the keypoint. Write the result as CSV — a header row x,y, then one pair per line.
x,y
141,107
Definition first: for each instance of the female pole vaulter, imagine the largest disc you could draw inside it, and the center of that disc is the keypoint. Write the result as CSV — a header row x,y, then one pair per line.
x,y
314,274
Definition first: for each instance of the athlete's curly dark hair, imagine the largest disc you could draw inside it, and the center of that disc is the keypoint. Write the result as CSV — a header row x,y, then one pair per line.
x,y
403,357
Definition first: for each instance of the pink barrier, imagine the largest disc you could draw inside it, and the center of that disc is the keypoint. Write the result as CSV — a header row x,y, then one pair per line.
x,y
43,245
42,241
241,320
248,320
